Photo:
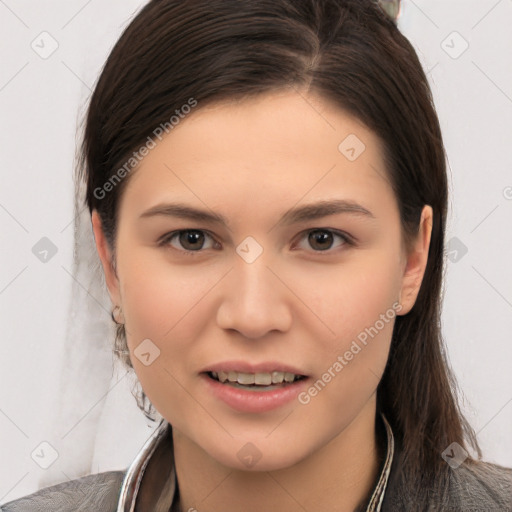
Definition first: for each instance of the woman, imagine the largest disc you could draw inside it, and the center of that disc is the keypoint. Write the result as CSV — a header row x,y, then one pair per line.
x,y
268,195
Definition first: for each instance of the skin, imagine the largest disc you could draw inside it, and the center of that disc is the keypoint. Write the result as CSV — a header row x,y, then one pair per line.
x,y
251,161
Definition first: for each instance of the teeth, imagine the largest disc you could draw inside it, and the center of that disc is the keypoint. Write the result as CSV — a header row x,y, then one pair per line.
x,y
277,377
261,379
289,377
245,378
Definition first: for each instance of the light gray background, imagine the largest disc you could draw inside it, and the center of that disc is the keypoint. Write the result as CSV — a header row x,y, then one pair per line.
x,y
41,100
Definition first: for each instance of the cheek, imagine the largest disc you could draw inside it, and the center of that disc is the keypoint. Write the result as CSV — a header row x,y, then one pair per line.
x,y
167,304
158,295
351,297
362,313
162,303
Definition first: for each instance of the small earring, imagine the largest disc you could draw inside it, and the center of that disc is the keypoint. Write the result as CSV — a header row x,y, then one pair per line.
x,y
114,315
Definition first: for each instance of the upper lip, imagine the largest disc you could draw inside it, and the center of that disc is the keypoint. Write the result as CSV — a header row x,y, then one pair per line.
x,y
245,367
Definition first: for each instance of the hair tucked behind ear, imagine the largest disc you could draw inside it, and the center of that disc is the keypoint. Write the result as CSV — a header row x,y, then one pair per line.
x,y
122,352
349,52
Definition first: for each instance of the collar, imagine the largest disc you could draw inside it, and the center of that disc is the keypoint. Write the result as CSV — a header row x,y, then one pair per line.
x,y
158,448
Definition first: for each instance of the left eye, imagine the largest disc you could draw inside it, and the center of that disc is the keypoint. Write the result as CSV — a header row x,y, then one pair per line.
x,y
322,239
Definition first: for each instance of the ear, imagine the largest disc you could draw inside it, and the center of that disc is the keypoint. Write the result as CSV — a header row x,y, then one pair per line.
x,y
105,255
416,262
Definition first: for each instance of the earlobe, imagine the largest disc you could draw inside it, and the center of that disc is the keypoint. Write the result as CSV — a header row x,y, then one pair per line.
x,y
105,256
416,262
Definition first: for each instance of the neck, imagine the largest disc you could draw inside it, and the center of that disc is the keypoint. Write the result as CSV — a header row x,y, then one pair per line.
x,y
340,476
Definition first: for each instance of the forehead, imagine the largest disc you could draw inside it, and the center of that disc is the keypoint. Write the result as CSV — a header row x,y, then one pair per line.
x,y
284,146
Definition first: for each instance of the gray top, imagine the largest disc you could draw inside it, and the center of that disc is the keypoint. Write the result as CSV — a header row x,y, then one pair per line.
x,y
149,484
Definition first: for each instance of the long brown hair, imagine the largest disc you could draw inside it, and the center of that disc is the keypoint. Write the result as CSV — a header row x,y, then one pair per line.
x,y
347,51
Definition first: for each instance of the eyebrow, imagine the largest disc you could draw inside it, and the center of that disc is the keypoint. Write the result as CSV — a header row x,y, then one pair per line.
x,y
292,216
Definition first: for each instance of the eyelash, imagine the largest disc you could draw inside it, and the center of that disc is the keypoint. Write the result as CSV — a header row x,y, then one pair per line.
x,y
167,238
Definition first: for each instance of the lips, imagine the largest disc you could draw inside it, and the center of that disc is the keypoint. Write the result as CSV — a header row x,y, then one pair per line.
x,y
253,387
252,398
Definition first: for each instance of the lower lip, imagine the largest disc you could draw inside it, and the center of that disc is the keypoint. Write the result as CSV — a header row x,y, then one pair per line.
x,y
254,401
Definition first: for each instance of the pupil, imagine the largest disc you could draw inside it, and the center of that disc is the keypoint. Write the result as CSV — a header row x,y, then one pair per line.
x,y
320,237
191,237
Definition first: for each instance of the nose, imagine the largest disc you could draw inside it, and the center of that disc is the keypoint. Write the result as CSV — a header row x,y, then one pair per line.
x,y
254,300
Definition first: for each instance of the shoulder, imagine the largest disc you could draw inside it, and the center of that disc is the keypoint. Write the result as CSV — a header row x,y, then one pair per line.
x,y
472,486
482,484
99,492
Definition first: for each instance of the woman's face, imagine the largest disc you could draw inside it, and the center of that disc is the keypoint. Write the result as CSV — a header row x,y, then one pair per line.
x,y
278,286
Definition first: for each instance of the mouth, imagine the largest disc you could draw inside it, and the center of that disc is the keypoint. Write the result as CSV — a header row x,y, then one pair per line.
x,y
261,381
253,387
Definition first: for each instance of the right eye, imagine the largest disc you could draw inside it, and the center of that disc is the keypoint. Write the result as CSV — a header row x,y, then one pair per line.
x,y
190,240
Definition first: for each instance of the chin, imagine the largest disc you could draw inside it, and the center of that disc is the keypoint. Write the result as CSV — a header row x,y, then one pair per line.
x,y
255,455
